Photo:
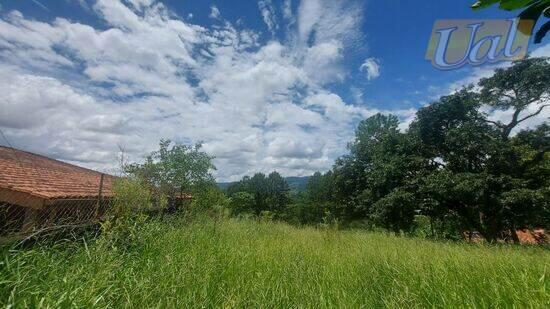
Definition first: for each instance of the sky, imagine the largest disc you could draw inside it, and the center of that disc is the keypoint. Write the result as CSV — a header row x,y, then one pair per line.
x,y
264,84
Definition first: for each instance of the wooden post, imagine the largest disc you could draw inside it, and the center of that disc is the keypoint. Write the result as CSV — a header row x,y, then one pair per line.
x,y
99,196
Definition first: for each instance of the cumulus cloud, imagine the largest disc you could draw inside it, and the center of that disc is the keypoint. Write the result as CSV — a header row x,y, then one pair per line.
x,y
77,92
371,67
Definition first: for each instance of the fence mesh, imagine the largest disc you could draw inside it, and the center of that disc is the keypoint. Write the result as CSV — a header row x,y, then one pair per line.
x,y
19,222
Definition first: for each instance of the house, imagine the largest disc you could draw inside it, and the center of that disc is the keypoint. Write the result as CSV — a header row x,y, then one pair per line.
x,y
38,192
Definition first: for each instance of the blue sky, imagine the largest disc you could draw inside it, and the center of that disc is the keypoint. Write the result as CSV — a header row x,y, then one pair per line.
x,y
264,84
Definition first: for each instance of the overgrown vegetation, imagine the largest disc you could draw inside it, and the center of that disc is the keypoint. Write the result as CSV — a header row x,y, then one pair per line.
x,y
454,170
245,263
174,170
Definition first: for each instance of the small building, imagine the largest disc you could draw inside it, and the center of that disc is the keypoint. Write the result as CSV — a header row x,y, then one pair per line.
x,y
37,192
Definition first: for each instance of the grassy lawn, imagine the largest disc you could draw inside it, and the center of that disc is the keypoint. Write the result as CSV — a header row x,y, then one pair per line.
x,y
236,263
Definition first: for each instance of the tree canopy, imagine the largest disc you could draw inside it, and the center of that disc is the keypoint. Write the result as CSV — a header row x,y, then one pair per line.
x,y
175,168
260,193
456,164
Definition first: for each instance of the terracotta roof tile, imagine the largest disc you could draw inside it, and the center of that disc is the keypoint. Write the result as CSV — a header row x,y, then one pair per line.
x,y
48,178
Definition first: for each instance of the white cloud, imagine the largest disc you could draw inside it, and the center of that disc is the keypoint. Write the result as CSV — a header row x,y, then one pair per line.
x,y
76,92
287,10
214,12
371,66
325,20
269,15
40,5
543,51
505,116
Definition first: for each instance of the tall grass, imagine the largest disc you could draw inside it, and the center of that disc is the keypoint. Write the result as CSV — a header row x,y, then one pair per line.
x,y
241,263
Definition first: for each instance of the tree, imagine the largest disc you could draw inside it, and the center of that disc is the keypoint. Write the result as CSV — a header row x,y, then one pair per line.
x,y
316,202
533,9
210,197
320,187
517,87
454,165
378,172
355,173
271,193
242,202
278,192
396,211
175,169
488,180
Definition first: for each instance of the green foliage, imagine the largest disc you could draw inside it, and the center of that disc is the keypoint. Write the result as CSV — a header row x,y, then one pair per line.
x,y
175,169
526,207
270,193
381,160
255,264
533,9
132,198
241,202
454,165
210,198
525,83
396,211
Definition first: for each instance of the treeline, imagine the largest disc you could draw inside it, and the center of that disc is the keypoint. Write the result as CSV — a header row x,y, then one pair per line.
x,y
455,169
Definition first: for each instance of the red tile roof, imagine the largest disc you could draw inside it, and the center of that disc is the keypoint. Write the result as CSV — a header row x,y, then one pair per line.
x,y
48,178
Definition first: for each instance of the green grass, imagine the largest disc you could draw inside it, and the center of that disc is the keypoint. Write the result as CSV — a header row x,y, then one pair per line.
x,y
252,264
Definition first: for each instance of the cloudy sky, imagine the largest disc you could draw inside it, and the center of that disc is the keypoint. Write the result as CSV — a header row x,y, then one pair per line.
x,y
266,85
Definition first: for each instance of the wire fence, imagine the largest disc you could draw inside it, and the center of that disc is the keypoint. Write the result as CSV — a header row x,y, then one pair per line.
x,y
34,194
23,218
18,222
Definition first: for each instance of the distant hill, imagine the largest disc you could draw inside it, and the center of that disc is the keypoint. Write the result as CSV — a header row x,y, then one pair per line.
x,y
295,183
224,185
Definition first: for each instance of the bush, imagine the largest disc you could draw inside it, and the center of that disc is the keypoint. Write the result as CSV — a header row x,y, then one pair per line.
x,y
210,201
130,196
241,203
127,214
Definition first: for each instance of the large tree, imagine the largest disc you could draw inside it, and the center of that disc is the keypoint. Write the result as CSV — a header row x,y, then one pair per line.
x,y
525,84
175,169
375,179
456,164
491,181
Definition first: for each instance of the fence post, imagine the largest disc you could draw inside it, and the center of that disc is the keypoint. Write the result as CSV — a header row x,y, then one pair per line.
x,y
99,196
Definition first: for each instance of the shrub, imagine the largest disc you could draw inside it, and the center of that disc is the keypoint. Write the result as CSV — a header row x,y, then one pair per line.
x,y
211,201
130,196
241,202
121,227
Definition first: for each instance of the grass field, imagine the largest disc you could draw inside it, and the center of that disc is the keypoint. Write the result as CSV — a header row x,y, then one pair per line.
x,y
238,263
